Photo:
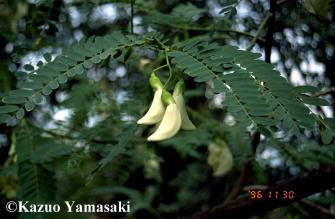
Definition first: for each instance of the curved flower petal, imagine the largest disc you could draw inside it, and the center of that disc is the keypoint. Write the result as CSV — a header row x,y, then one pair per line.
x,y
220,158
169,125
186,123
178,91
156,111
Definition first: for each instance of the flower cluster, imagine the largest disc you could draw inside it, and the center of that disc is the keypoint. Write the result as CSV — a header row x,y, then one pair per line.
x,y
167,110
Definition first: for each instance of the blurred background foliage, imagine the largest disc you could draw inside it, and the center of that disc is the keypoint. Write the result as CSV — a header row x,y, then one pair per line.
x,y
74,135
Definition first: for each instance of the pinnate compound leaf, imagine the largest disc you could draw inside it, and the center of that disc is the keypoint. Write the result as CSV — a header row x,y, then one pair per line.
x,y
120,147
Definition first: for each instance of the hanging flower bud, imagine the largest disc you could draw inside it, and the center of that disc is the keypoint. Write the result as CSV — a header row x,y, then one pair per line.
x,y
171,121
220,158
157,109
179,89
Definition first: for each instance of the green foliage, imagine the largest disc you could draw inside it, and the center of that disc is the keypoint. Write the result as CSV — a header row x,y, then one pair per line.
x,y
307,156
140,200
75,59
255,92
229,7
181,15
319,7
254,89
99,154
35,175
120,147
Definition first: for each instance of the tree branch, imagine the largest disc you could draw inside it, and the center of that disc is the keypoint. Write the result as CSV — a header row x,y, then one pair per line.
x,y
317,207
132,16
270,30
210,28
280,2
245,173
239,184
315,181
260,28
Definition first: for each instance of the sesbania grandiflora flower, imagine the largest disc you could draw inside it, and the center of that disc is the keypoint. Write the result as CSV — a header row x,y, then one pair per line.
x,y
178,91
157,109
171,121
220,157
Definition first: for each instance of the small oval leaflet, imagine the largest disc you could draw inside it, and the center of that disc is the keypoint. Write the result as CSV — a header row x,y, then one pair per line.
x,y
46,90
29,106
40,78
20,113
62,79
37,98
40,64
88,64
5,118
57,66
105,54
96,59
14,100
47,57
306,89
78,70
30,85
21,93
288,123
326,136
28,67
71,73
315,101
8,109
53,84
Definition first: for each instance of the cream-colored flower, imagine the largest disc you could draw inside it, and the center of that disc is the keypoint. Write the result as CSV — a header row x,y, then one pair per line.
x,y
220,158
171,121
156,110
186,123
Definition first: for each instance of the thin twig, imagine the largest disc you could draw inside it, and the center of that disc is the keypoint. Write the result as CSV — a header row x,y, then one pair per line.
x,y
245,173
132,16
261,27
317,207
271,23
254,187
280,2
160,67
67,136
325,92
210,28
239,184
170,69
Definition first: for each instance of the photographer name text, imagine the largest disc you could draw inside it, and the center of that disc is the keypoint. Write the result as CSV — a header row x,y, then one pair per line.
x,y
68,206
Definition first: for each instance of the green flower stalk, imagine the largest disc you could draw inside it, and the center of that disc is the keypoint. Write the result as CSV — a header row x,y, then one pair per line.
x,y
179,89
